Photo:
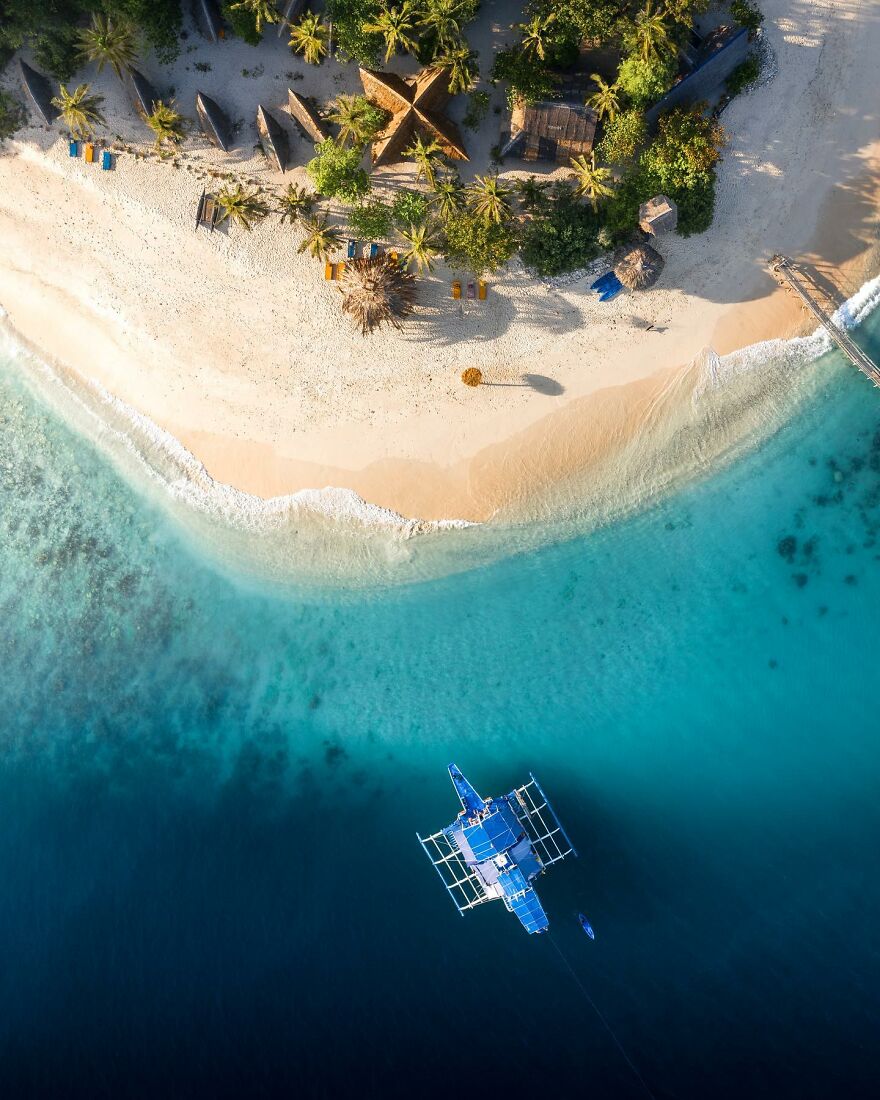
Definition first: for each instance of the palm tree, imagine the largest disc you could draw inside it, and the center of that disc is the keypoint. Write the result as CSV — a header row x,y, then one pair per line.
x,y
591,181
489,199
263,11
309,37
531,192
651,33
534,35
459,61
396,25
295,203
377,292
80,110
107,41
444,20
427,157
424,245
448,195
353,115
605,100
321,239
167,123
245,208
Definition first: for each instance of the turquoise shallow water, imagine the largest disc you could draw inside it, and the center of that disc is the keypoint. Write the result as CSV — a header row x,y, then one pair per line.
x,y
210,788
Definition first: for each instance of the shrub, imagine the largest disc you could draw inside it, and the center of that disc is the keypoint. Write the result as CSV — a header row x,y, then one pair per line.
x,y
529,80
410,208
337,172
687,147
748,15
623,136
370,220
477,109
646,81
696,206
562,238
11,115
743,75
478,245
242,22
350,38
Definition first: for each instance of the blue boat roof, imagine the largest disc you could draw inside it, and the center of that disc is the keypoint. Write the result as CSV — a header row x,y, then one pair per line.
x,y
530,911
497,832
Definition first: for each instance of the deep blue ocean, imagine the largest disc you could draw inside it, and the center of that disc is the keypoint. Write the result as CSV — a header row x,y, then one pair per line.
x,y
210,786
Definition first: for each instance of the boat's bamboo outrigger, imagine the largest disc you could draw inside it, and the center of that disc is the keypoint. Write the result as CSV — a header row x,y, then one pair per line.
x,y
786,270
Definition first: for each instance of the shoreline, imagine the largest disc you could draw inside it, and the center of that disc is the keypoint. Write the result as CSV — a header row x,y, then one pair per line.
x,y
274,395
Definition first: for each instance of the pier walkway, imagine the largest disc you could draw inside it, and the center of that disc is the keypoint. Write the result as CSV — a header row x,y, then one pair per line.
x,y
787,271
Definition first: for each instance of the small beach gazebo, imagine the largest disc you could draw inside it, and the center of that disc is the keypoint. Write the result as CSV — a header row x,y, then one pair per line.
x,y
214,123
39,91
658,215
640,268
143,94
273,138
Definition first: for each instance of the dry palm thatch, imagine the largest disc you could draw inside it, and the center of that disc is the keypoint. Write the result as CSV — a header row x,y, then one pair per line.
x,y
377,292
472,376
640,267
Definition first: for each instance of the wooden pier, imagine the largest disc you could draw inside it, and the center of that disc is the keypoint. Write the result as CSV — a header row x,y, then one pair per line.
x,y
787,271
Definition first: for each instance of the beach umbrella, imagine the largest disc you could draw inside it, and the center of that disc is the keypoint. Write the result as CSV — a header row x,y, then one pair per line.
x,y
640,267
377,292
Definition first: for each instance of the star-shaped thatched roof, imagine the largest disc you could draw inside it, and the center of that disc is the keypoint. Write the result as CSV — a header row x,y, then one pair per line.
x,y
416,107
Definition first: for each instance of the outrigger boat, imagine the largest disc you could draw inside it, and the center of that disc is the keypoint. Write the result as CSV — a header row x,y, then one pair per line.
x,y
497,847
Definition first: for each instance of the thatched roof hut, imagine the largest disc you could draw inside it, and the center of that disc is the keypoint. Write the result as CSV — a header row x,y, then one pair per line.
x,y
141,92
214,123
291,10
273,138
307,117
416,105
377,292
658,215
640,267
208,19
39,91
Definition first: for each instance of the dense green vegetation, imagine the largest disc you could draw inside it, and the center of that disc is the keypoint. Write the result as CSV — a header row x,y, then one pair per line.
x,y
52,27
480,227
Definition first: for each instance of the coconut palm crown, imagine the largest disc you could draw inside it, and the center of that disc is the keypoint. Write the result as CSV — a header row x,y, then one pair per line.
x,y
79,109
489,199
107,41
245,208
590,181
167,123
321,239
605,100
263,11
377,292
397,26
309,37
295,203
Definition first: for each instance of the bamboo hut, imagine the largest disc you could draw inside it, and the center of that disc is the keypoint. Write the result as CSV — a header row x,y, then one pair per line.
x,y
658,215
214,123
550,131
640,268
306,117
273,138
291,10
208,19
39,92
141,92
416,106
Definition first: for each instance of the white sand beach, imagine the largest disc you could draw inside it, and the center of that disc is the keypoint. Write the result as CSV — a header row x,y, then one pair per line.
x,y
235,344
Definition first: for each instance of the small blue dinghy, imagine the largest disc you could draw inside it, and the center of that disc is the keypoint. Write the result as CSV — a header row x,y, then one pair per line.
x,y
587,927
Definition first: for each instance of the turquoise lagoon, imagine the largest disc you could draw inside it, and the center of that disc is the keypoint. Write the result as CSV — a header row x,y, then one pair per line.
x,y
212,771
